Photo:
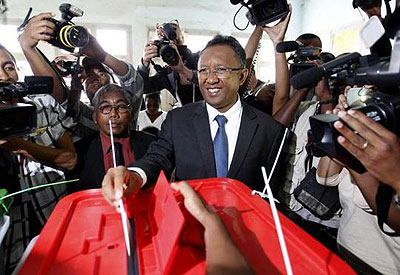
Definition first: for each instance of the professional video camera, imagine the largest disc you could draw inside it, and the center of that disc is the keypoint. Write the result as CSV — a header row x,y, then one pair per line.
x,y
20,119
167,53
299,60
67,35
382,106
263,12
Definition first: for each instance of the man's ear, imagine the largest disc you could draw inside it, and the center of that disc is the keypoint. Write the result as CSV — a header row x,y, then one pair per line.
x,y
243,75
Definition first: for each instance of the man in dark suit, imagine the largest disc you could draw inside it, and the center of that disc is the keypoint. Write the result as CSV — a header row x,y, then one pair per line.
x,y
94,152
221,137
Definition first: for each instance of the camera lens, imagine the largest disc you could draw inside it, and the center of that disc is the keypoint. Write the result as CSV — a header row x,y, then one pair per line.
x,y
74,36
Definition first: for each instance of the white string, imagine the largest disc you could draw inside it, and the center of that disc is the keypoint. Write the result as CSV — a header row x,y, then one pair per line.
x,y
277,224
262,194
121,207
272,200
112,144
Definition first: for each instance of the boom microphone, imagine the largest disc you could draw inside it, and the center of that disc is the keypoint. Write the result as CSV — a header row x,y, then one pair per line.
x,y
313,75
288,46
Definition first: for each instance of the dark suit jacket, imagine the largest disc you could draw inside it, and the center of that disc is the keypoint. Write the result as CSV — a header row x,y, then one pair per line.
x,y
90,168
185,142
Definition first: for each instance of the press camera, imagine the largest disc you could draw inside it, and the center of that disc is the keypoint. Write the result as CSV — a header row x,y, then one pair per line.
x,y
20,119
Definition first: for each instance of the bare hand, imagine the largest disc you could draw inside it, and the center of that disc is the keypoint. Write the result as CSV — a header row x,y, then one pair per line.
x,y
277,33
119,182
377,148
150,51
192,201
37,29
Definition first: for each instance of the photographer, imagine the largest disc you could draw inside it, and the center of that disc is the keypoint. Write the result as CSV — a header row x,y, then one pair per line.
x,y
40,159
178,77
370,250
383,46
95,75
256,92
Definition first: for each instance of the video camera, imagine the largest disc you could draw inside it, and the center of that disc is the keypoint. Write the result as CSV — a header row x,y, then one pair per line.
x,y
383,106
167,53
20,119
263,12
299,60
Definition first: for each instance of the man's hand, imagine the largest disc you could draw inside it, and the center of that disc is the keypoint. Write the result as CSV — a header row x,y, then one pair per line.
x,y
119,182
37,29
377,148
277,33
150,51
192,202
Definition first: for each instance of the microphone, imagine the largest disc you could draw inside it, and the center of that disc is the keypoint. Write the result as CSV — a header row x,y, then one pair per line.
x,y
288,46
313,75
235,2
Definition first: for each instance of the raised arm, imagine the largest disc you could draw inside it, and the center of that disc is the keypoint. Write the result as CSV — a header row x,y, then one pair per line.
x,y
36,30
277,35
95,51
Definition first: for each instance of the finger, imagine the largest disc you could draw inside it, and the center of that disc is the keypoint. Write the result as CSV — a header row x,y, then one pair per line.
x,y
353,149
192,201
42,16
107,188
350,135
376,127
358,126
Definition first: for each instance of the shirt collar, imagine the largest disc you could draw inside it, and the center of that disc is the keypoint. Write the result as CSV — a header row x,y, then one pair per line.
x,y
212,112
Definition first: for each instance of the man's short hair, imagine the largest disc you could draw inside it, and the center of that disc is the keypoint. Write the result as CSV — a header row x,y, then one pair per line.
x,y
89,64
155,96
366,4
225,40
308,38
9,53
106,89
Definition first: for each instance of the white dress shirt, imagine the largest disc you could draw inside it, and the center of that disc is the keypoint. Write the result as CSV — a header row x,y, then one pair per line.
x,y
234,116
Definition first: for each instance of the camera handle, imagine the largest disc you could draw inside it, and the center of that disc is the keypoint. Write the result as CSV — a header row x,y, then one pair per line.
x,y
74,94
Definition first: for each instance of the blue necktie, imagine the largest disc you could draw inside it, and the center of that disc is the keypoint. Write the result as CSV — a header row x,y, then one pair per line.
x,y
221,148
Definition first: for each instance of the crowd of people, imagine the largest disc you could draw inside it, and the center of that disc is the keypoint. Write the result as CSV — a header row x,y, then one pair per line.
x,y
227,123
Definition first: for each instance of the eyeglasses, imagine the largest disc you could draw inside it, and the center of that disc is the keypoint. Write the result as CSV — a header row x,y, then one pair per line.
x,y
121,108
221,72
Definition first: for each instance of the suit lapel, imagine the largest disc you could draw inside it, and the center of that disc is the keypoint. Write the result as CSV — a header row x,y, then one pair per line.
x,y
203,134
247,131
96,156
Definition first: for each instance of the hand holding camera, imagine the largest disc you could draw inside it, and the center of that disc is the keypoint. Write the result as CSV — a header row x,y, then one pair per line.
x,y
38,28
150,51
377,148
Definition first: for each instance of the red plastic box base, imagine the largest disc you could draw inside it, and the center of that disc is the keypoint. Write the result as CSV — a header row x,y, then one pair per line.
x,y
84,234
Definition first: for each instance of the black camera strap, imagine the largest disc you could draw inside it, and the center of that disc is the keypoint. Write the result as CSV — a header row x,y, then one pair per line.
x,y
383,201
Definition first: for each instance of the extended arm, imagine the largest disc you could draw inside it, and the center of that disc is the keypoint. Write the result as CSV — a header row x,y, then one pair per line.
x,y
36,30
62,156
277,35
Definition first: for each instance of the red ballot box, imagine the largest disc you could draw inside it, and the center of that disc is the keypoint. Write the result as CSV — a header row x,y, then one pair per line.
x,y
84,234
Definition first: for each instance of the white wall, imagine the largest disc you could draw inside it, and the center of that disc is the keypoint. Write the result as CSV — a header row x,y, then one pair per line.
x,y
322,17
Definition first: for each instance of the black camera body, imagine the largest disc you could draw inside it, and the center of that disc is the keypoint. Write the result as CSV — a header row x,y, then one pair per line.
x,y
166,52
67,35
20,119
263,12
382,108
71,68
300,59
